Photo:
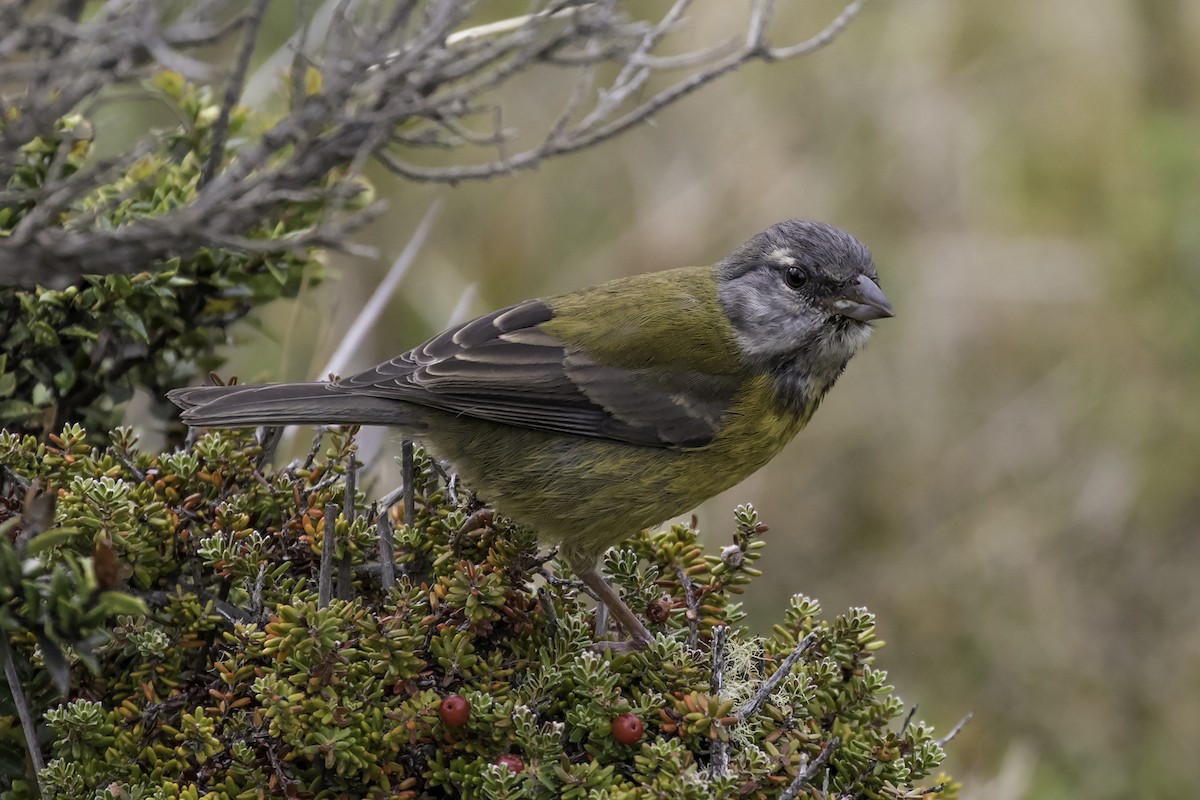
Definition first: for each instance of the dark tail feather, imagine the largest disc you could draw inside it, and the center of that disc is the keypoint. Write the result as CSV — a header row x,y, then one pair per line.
x,y
247,406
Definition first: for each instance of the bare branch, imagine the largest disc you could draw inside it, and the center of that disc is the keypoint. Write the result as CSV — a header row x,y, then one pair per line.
x,y
808,770
416,86
325,573
691,602
825,37
720,748
760,17
234,90
387,550
955,731
21,704
635,73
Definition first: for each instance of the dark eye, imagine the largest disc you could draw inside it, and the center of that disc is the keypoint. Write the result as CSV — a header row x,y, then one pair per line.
x,y
795,277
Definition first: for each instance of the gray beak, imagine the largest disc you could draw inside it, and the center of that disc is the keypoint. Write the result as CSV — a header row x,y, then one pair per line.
x,y
862,300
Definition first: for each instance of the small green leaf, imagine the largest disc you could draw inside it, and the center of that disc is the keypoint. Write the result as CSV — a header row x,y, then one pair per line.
x,y
120,603
42,395
132,321
17,410
78,332
64,380
48,539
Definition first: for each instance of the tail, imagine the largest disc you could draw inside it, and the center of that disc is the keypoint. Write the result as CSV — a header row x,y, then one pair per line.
x,y
245,406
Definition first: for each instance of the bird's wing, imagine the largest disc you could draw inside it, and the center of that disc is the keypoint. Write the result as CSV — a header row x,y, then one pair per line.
x,y
505,367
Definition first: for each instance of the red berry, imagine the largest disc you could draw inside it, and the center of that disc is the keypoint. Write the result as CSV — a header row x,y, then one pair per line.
x,y
627,728
514,763
455,711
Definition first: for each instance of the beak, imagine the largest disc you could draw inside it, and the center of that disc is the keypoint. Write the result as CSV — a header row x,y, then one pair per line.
x,y
862,300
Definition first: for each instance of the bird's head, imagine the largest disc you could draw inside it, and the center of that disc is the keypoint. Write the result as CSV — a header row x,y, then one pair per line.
x,y
800,297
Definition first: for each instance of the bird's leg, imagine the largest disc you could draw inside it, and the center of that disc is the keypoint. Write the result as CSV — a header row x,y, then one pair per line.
x,y
639,637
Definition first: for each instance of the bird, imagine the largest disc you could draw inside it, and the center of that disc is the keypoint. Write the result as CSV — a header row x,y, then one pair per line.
x,y
594,414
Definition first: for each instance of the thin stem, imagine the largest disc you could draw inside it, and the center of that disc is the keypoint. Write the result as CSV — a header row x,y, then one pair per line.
x,y
808,770
957,729
387,550
345,587
827,35
23,712
693,605
325,576
233,91
720,748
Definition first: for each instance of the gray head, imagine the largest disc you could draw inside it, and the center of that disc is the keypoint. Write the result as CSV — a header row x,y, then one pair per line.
x,y
800,297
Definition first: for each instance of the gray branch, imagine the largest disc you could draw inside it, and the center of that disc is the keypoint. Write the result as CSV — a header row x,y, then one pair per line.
x,y
808,770
415,86
21,704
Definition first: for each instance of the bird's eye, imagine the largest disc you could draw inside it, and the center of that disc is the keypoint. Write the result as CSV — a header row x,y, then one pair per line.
x,y
795,277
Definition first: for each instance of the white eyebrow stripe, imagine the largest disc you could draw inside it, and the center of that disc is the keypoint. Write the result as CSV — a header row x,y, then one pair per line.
x,y
781,255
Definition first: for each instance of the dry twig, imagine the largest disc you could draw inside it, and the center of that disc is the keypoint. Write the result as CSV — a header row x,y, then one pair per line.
x,y
400,82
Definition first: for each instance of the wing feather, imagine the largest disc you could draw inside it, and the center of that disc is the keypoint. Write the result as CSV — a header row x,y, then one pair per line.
x,y
505,368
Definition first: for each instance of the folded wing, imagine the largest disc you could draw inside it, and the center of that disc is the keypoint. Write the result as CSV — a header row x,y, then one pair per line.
x,y
506,368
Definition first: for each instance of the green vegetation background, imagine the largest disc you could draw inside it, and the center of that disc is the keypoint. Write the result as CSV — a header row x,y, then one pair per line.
x,y
1010,474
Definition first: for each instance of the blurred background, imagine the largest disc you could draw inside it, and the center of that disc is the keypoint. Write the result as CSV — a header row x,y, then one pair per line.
x,y
1009,475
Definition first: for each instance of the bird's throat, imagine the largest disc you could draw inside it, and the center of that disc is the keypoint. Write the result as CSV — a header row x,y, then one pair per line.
x,y
800,385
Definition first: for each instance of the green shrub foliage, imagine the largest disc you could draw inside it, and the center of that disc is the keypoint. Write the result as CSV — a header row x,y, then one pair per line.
x,y
74,354
178,596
